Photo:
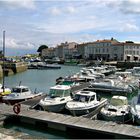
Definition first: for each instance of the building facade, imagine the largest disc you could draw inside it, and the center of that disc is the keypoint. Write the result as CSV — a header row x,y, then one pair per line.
x,y
107,50
131,51
66,50
100,50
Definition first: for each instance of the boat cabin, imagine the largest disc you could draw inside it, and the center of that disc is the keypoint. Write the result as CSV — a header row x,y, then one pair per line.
x,y
20,89
60,91
85,96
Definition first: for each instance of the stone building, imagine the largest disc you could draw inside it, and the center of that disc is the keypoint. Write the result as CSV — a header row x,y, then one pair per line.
x,y
100,49
131,50
66,50
48,53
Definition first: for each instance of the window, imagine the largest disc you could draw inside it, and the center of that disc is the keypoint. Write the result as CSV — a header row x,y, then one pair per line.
x,y
25,90
16,90
107,50
92,98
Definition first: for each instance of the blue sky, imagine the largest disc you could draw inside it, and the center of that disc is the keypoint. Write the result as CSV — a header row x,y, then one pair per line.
x,y
30,23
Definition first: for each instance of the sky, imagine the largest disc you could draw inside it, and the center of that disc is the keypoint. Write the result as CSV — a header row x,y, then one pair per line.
x,y
31,23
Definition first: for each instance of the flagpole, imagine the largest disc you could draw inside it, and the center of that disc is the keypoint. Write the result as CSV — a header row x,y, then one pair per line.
x,y
3,60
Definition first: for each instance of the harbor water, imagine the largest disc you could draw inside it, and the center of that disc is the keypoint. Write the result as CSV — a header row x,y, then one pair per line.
x,y
40,80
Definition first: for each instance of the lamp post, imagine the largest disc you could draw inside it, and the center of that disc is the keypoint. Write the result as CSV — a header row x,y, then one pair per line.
x,y
3,60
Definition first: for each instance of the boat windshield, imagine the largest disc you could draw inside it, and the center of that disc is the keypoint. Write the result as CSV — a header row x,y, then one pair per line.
x,y
67,82
81,98
16,90
25,90
59,93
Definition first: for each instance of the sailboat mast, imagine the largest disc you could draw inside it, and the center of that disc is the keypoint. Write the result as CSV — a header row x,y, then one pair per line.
x,y
3,60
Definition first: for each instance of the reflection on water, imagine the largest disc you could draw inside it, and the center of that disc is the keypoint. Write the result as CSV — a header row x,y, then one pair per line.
x,y
27,132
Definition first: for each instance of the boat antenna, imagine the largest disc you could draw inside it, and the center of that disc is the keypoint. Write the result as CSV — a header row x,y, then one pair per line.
x,y
19,83
3,60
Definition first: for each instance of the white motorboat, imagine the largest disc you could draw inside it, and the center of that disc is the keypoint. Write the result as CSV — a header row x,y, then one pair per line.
x,y
91,72
20,93
85,77
116,110
103,70
84,102
43,65
135,71
110,86
58,96
135,109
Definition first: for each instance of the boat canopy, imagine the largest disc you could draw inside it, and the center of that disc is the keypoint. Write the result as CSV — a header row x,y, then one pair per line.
x,y
60,91
19,89
119,100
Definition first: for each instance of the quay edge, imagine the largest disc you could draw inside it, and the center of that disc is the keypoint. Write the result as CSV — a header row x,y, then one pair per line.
x,y
13,68
71,125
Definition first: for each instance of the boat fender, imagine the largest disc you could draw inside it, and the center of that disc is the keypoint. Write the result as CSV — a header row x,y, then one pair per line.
x,y
16,108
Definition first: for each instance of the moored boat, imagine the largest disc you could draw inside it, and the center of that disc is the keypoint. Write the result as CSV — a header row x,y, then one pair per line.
x,y
84,102
58,96
110,86
135,109
117,110
19,94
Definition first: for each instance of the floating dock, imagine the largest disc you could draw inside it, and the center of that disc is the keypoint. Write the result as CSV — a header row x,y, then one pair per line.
x,y
84,127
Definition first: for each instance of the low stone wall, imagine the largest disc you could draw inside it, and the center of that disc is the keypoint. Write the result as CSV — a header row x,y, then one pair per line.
x,y
12,68
8,72
128,65
19,67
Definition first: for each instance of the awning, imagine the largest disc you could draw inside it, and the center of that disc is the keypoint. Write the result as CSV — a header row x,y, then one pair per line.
x,y
129,55
136,55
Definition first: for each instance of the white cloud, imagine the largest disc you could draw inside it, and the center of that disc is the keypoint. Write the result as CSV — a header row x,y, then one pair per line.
x,y
14,4
55,11
129,27
11,43
71,9
125,6
17,44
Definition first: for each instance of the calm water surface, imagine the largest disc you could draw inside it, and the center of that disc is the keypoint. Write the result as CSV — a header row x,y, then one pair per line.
x,y
42,80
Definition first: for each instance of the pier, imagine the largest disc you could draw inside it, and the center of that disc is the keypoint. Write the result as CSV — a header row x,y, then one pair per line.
x,y
12,68
69,124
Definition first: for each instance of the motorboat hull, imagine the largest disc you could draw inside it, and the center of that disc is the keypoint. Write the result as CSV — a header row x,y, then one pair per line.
x,y
116,118
13,101
86,110
79,112
54,105
54,108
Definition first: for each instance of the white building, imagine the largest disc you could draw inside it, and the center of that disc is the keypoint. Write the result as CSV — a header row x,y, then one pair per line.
x,y
131,51
100,49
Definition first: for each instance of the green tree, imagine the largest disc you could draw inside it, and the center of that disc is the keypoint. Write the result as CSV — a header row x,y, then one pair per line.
x,y
41,48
